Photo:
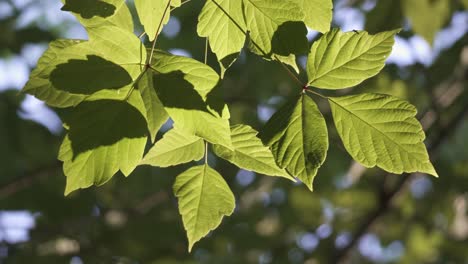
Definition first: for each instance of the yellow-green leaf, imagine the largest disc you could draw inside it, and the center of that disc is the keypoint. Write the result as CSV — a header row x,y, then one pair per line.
x,y
176,147
298,137
222,22
343,59
249,153
204,199
381,130
153,14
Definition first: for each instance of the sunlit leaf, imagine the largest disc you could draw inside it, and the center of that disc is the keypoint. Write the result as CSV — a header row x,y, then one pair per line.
x,y
155,112
176,147
104,137
153,14
72,71
381,130
344,59
318,13
298,137
249,153
222,22
204,199
276,29
96,13
202,111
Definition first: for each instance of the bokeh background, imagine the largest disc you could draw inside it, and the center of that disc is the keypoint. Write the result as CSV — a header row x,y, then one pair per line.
x,y
355,215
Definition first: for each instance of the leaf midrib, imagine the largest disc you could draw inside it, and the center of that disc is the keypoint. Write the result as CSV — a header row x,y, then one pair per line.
x,y
204,172
370,125
349,61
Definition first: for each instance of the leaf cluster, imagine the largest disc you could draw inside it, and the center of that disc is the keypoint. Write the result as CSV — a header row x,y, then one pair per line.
x,y
118,93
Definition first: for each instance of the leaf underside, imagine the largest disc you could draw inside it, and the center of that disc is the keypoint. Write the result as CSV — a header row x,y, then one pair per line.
x,y
381,130
204,198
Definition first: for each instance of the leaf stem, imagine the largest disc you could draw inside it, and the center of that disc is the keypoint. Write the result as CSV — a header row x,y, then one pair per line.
x,y
157,32
135,83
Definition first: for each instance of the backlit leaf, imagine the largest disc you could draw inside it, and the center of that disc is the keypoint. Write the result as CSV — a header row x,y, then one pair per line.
x,y
103,137
72,71
96,13
153,14
249,153
298,137
202,111
155,112
381,130
276,29
344,59
222,22
176,147
204,199
318,13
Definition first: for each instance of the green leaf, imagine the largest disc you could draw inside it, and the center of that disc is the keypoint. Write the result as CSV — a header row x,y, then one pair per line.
x,y
381,130
377,22
104,136
92,13
153,14
202,111
276,29
176,3
318,13
341,60
222,22
155,112
39,83
204,198
298,137
72,71
249,153
176,147
427,17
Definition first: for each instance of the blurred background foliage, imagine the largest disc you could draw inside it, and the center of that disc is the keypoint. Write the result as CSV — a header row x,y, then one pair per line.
x,y
355,215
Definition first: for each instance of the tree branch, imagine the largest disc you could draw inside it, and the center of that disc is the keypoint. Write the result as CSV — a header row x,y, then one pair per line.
x,y
28,179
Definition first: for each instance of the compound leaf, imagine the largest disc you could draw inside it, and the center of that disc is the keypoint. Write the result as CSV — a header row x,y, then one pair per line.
x,y
341,60
381,130
176,147
204,198
298,137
